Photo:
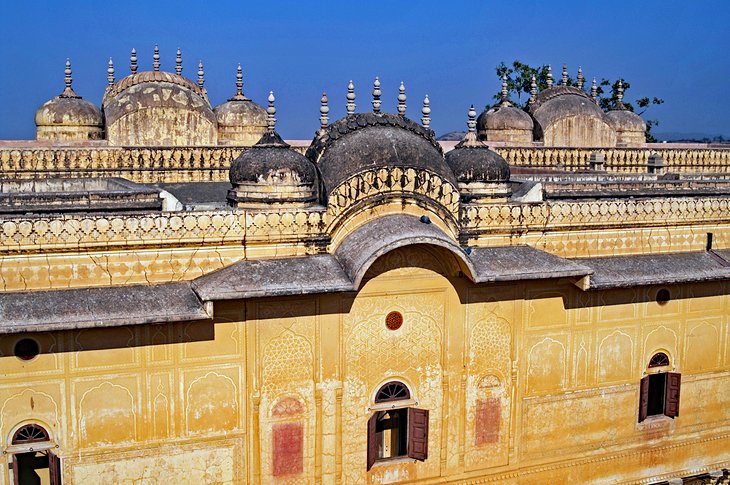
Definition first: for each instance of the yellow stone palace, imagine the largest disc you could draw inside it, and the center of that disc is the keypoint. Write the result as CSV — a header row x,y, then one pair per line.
x,y
371,307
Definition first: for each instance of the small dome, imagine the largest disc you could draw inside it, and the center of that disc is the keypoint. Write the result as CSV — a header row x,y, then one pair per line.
x,y
370,141
270,172
504,118
240,120
68,117
625,120
477,163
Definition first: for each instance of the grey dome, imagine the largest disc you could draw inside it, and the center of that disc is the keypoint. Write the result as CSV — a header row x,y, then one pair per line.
x,y
273,162
68,111
368,141
504,118
240,112
625,120
477,163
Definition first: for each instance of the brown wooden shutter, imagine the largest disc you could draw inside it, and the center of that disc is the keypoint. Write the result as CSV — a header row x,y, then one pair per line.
x,y
418,433
644,399
372,440
14,464
671,401
54,469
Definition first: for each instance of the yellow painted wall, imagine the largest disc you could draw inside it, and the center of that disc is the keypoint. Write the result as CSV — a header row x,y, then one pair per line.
x,y
197,402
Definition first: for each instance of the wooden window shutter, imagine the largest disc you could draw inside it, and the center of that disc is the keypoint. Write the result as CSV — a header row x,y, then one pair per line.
x,y
418,433
54,469
671,401
644,399
372,440
16,473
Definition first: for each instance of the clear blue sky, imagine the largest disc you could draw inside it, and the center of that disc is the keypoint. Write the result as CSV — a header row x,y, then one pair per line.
x,y
676,50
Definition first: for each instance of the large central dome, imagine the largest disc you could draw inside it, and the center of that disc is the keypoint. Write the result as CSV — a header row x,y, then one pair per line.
x,y
370,141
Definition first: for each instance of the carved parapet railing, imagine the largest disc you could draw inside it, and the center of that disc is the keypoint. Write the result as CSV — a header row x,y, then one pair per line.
x,y
80,232
594,214
178,164
631,160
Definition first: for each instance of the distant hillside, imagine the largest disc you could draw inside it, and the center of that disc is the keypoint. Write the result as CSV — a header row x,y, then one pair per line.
x,y
690,137
452,136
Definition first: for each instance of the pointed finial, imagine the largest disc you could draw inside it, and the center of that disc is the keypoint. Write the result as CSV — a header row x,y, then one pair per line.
x,y
239,81
201,74
505,91
580,79
550,77
133,61
178,62
594,90
533,90
620,95
156,58
324,110
271,112
564,80
376,95
402,99
67,74
350,106
110,72
472,123
426,112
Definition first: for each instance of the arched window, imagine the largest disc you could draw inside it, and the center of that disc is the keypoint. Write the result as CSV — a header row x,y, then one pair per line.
x,y
396,431
659,392
31,433
36,459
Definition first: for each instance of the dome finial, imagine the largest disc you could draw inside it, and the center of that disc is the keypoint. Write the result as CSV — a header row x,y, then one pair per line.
x,y
426,112
533,90
178,62
580,78
350,106
271,112
472,123
594,90
156,58
239,81
550,77
133,61
564,80
110,72
201,75
324,110
376,95
67,74
505,91
402,100
620,95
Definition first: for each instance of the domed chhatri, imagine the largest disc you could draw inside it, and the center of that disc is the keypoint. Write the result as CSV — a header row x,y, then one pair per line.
x,y
482,174
566,116
370,141
240,121
271,173
157,108
504,122
68,117
630,127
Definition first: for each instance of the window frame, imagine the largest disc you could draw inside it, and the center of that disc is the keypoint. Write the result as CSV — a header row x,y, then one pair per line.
x,y
670,392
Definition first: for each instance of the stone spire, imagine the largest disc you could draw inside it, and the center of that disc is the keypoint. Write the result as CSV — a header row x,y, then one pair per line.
x,y
426,112
271,112
533,90
505,92
178,62
550,77
324,110
376,95
133,61
110,72
402,100
580,78
350,106
594,90
239,84
201,75
68,91
470,139
620,95
564,79
156,58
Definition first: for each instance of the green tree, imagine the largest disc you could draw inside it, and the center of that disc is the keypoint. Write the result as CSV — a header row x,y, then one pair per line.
x,y
519,81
